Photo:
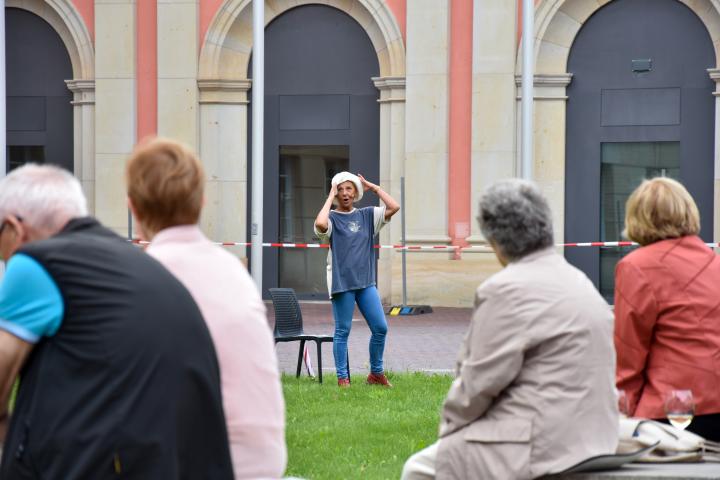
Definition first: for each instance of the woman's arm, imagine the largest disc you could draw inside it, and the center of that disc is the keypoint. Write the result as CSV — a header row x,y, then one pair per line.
x,y
636,313
322,219
13,353
495,346
391,206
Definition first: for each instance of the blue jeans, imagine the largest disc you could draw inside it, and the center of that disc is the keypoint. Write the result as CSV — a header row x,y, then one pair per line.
x,y
368,301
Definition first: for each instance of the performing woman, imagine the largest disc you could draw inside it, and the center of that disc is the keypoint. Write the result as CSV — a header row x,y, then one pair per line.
x,y
351,267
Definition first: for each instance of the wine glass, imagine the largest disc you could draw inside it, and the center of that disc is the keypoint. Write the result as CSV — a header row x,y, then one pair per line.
x,y
679,408
623,403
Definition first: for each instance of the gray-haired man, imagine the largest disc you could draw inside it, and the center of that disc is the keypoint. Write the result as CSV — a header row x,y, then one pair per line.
x,y
115,360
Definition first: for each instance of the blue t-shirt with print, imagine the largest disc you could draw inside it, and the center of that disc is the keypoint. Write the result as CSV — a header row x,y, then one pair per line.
x,y
351,246
31,306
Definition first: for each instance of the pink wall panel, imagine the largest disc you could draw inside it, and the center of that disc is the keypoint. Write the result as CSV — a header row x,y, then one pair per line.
x,y
460,120
87,10
399,9
146,58
208,9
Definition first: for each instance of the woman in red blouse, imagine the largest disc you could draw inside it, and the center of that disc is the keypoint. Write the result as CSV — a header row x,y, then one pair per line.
x,y
667,307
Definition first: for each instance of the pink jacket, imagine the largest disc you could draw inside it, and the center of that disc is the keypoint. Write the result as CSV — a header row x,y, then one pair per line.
x,y
667,325
235,315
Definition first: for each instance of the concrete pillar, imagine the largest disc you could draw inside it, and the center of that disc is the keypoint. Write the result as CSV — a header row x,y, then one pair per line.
x,y
493,99
715,76
84,131
223,152
392,168
426,127
177,67
550,109
114,107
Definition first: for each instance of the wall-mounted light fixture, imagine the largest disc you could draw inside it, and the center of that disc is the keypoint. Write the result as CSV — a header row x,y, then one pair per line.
x,y
642,65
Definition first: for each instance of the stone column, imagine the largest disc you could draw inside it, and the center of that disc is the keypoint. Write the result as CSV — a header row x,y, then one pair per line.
x,y
177,44
223,152
114,108
426,145
426,123
550,109
715,76
392,167
84,131
493,99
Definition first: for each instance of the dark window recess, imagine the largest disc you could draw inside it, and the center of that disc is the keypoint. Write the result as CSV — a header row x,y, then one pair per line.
x,y
19,155
305,176
624,166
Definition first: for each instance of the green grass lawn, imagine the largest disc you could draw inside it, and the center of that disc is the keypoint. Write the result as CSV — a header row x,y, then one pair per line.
x,y
361,432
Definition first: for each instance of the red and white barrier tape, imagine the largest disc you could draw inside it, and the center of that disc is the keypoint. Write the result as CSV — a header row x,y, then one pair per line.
x,y
481,248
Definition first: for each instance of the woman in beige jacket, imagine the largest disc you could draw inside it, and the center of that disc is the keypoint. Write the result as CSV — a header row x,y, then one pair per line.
x,y
534,389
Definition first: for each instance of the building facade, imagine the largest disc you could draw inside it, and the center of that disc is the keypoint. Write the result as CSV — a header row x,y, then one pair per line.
x,y
427,90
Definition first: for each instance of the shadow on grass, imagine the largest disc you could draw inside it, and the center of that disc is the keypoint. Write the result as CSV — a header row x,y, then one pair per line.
x,y
363,431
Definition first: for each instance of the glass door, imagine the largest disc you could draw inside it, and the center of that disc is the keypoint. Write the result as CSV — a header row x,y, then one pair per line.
x,y
305,174
624,165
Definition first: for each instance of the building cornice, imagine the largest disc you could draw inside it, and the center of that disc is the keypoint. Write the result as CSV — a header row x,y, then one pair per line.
x,y
547,86
386,83
392,89
83,91
548,80
224,91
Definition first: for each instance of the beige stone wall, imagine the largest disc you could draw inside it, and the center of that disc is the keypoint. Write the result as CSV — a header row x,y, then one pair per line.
x,y
438,279
114,108
426,147
177,66
210,115
426,127
493,98
223,151
223,88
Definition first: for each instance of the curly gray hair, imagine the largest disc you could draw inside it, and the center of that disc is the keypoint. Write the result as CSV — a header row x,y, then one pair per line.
x,y
515,217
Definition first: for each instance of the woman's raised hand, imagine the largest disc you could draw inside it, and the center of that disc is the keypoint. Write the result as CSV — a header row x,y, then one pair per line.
x,y
366,185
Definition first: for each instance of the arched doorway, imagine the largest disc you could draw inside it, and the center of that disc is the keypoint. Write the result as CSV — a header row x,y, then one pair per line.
x,y
640,105
39,110
321,117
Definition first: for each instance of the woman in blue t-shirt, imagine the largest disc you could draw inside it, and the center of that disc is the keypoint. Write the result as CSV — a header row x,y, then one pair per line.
x,y
351,267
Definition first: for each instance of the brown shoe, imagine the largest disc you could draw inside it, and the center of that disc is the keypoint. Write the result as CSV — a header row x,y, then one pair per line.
x,y
378,379
344,382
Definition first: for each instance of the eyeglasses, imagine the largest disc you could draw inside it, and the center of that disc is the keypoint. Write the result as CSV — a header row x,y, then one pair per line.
x,y
5,222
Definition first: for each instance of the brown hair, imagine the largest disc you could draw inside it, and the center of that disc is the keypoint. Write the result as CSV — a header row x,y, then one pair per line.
x,y
165,183
658,209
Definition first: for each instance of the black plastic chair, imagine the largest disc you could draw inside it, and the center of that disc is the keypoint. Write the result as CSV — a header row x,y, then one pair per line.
x,y
289,326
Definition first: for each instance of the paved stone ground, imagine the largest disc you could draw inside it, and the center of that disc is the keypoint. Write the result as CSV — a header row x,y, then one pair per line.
x,y
427,342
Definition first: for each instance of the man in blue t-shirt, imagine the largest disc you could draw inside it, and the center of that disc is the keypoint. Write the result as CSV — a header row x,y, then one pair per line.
x,y
114,358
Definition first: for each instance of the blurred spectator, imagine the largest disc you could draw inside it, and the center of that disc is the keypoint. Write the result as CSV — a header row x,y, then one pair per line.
x,y
667,320
534,390
118,371
165,190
